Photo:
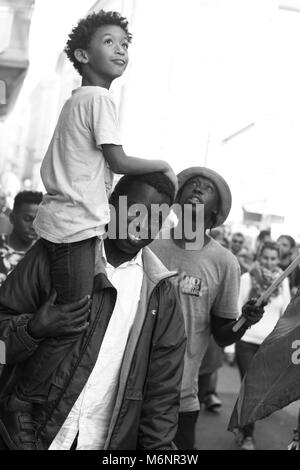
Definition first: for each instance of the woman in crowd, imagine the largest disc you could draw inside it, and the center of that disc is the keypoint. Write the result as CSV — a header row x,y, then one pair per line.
x,y
253,284
288,252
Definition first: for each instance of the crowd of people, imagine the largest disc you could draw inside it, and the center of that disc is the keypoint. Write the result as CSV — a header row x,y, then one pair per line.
x,y
114,328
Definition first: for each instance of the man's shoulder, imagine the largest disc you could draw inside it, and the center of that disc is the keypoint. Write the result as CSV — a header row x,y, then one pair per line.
x,y
221,254
36,256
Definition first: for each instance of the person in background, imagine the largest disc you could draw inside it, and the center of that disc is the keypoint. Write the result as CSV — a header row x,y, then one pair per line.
x,y
218,234
253,284
237,243
5,224
295,444
242,253
288,252
207,286
263,237
14,245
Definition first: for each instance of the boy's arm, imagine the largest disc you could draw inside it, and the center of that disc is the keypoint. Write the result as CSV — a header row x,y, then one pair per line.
x,y
120,163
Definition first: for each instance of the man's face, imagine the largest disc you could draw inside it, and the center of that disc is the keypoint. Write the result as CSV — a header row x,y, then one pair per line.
x,y
149,199
284,246
22,219
201,190
108,52
237,243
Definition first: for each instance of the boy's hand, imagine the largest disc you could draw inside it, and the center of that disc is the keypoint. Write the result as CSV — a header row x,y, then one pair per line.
x,y
60,320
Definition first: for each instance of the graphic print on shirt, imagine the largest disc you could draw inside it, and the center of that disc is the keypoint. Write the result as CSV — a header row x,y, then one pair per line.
x,y
190,285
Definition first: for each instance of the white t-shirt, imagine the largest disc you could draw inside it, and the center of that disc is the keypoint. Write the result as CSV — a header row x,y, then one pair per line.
x,y
208,283
74,171
273,310
92,411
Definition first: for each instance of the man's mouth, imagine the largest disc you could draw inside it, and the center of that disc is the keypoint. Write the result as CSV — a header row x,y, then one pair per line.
x,y
134,238
31,236
194,200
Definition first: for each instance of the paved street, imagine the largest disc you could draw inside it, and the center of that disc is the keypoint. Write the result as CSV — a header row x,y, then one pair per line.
x,y
272,433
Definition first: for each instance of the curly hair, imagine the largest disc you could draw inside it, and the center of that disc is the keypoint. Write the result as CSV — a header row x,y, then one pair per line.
x,y
82,34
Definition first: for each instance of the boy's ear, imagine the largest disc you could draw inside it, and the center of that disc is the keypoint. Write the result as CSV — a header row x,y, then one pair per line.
x,y
81,56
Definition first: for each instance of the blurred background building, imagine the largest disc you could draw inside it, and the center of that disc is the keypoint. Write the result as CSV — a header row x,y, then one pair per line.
x,y
210,82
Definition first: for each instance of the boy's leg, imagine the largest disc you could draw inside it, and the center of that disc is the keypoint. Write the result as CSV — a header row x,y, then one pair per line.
x,y
72,269
73,276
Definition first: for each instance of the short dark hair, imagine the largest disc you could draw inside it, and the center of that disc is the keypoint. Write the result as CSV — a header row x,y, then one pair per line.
x,y
157,180
269,246
290,239
27,197
263,233
81,35
238,234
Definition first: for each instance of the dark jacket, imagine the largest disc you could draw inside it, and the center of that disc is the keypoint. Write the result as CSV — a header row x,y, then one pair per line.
x,y
146,409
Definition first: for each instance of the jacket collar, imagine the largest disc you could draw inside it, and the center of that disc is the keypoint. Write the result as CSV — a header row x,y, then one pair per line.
x,y
154,269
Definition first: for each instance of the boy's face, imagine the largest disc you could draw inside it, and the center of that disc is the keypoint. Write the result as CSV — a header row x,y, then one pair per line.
x,y
108,52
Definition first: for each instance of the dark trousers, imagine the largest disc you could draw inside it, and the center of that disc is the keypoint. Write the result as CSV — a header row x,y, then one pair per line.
x,y
207,384
244,353
72,273
185,436
3,446
72,269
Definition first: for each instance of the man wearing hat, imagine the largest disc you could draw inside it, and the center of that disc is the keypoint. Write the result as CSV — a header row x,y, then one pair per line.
x,y
208,284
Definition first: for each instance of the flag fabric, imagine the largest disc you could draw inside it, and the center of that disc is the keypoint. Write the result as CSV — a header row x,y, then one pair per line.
x,y
273,378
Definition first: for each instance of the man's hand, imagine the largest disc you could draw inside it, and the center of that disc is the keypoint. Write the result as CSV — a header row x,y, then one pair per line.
x,y
60,320
252,313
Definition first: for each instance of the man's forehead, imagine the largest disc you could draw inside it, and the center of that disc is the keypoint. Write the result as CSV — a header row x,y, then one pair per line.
x,y
200,178
27,207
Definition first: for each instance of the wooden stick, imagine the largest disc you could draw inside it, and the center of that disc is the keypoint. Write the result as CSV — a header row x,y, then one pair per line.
x,y
270,290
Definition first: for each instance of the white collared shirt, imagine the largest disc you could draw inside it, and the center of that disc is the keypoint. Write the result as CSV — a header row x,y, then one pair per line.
x,y
91,414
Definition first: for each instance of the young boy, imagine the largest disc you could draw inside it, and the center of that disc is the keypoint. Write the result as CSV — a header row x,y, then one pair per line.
x,y
77,174
84,153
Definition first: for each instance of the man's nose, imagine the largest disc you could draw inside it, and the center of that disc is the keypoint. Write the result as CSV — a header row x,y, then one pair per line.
x,y
198,189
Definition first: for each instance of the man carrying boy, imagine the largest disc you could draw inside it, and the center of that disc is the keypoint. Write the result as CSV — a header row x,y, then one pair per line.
x,y
77,173
118,385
